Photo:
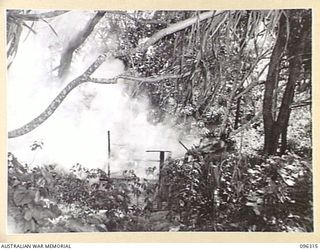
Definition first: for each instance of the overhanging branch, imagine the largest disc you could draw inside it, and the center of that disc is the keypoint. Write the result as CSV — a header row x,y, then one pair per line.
x,y
76,42
132,78
85,77
48,111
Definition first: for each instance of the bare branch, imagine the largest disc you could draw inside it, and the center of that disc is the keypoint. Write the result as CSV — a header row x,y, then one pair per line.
x,y
250,86
48,111
85,77
133,78
253,84
300,104
102,80
183,145
174,28
76,42
150,79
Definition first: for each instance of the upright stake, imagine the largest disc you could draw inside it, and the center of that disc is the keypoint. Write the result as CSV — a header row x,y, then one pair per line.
x,y
162,152
161,164
109,151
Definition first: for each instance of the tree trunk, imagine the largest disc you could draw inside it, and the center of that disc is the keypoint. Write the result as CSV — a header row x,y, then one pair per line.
x,y
297,42
284,141
270,143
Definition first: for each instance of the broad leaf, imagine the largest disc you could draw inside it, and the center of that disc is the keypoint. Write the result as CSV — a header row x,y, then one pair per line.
x,y
22,197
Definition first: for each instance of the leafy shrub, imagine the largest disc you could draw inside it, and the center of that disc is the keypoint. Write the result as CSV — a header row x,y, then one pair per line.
x,y
210,189
29,203
300,132
42,199
230,192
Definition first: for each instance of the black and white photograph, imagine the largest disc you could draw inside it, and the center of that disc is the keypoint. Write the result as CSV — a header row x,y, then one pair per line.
x,y
159,120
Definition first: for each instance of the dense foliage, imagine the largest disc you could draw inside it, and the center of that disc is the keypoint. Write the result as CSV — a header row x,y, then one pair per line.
x,y
48,199
231,80
241,193
212,188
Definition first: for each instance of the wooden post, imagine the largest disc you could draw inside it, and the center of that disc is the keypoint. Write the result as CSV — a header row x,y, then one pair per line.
x,y
161,163
109,153
162,152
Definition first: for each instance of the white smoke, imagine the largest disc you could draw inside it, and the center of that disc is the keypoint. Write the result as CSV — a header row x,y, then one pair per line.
x,y
77,131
